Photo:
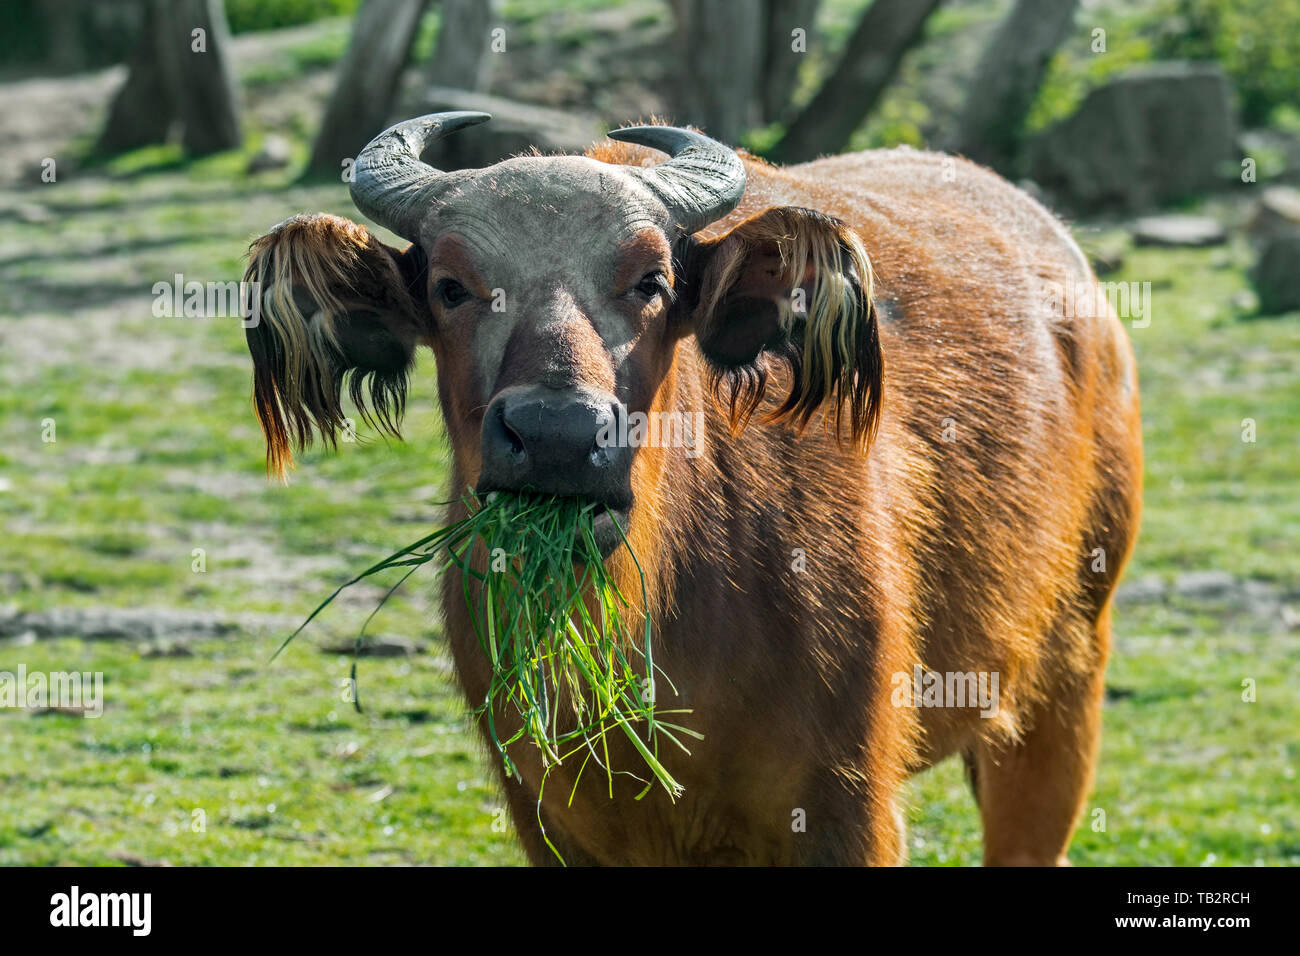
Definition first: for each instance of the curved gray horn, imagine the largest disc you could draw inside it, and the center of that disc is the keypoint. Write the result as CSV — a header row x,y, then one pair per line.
x,y
391,180
701,183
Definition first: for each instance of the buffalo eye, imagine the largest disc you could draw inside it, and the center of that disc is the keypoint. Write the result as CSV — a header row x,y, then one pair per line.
x,y
451,292
653,285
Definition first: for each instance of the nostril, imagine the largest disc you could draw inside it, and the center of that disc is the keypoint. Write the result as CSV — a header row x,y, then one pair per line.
x,y
514,442
602,453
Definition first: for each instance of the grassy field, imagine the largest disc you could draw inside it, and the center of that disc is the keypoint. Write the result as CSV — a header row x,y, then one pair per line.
x,y
153,495
221,756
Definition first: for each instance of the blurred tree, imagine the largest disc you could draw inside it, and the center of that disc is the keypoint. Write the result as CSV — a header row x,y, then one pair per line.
x,y
141,112
180,73
462,58
787,31
68,36
367,81
739,61
722,45
1007,80
886,31
67,46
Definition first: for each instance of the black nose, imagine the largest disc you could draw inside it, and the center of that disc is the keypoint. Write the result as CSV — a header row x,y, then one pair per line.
x,y
562,442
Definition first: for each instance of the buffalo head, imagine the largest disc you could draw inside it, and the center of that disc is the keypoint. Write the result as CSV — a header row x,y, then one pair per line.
x,y
554,292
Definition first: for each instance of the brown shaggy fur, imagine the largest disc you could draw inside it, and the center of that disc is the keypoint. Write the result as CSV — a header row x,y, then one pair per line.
x,y
340,271
994,445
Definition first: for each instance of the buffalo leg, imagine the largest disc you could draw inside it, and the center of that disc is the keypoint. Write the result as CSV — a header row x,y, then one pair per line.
x,y
1031,792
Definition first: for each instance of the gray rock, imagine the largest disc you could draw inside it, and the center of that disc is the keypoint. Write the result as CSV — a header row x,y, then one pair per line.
x,y
1262,600
1276,152
143,624
1276,275
1146,590
164,649
515,127
1276,214
1107,256
1207,586
376,647
276,153
1148,137
33,213
1179,231
1245,302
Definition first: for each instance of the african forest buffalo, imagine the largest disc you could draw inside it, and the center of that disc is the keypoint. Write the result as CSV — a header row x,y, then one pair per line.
x,y
916,460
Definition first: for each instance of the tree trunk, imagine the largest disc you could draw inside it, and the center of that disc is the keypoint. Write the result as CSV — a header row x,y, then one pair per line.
x,y
141,111
178,74
63,26
784,52
886,31
367,82
462,59
1007,80
722,49
198,70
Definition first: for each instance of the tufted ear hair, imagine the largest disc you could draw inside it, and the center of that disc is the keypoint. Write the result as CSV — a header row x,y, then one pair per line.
x,y
330,304
793,285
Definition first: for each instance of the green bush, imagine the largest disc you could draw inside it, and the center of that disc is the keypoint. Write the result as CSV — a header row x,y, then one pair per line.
x,y
246,16
1257,41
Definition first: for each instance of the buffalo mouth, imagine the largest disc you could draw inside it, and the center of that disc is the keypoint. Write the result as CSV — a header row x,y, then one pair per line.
x,y
607,518
609,537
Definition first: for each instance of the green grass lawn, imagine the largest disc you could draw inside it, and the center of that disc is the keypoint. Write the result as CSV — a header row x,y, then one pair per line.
x,y
224,757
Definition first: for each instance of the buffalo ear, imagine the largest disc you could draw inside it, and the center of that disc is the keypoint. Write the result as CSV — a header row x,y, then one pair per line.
x,y
328,304
790,285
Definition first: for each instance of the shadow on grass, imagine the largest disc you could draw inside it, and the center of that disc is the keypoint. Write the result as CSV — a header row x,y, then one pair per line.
x,y
111,250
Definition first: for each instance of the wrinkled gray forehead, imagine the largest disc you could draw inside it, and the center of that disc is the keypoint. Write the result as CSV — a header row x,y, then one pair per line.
x,y
546,199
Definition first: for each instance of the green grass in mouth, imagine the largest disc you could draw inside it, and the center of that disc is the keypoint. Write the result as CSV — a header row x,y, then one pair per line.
x,y
560,635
